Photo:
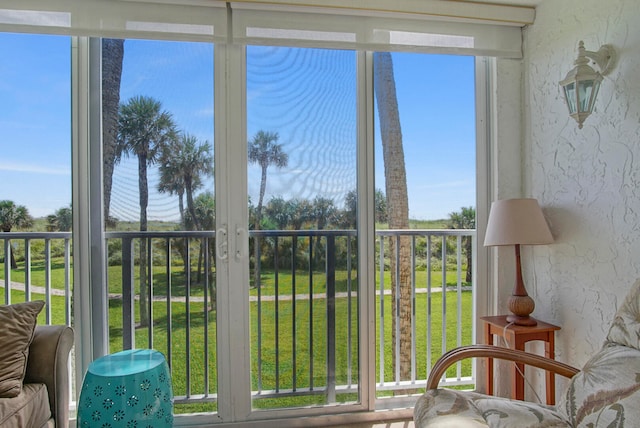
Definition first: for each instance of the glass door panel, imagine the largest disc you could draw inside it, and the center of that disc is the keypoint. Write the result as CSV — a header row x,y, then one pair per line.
x,y
35,169
425,197
160,208
35,139
302,140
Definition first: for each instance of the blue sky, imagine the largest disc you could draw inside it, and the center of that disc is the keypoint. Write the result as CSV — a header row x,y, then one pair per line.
x,y
306,95
35,107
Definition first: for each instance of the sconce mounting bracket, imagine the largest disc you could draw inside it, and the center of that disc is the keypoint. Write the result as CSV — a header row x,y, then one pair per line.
x,y
604,58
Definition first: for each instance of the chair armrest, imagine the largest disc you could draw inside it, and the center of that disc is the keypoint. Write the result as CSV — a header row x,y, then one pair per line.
x,y
48,364
488,351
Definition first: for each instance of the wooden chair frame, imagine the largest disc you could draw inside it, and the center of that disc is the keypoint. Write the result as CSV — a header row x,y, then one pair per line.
x,y
488,351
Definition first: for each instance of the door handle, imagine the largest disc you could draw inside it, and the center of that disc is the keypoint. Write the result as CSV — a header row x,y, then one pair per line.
x,y
222,244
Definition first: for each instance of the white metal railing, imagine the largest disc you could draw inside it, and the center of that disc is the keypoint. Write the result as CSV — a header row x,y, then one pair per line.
x,y
181,301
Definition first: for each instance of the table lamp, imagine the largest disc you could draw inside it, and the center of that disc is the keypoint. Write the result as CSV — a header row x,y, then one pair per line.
x,y
518,222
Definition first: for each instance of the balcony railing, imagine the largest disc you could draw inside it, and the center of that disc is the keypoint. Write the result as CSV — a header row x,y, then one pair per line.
x,y
303,305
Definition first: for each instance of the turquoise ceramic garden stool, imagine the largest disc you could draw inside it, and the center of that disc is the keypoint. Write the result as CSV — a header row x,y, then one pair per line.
x,y
129,389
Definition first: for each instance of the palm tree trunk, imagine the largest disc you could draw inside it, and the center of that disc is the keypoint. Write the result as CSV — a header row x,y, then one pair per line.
x,y
397,204
144,202
112,55
257,226
14,264
182,249
195,225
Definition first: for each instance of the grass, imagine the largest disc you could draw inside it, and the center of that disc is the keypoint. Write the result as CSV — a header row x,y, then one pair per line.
x,y
196,330
310,344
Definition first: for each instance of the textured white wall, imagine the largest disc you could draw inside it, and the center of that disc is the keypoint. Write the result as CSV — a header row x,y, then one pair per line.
x,y
588,180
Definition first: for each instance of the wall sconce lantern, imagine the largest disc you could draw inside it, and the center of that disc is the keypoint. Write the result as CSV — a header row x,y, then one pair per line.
x,y
580,86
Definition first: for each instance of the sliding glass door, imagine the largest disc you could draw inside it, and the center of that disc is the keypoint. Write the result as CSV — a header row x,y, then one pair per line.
x,y
158,175
302,182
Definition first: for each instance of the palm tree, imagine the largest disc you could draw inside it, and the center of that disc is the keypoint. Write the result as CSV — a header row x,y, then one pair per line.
x,y
465,219
351,208
182,166
143,130
280,211
302,212
204,208
324,211
265,151
397,201
112,56
61,220
171,182
12,215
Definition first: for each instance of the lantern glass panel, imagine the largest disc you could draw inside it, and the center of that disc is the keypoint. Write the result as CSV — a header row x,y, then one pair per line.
x,y
570,96
585,95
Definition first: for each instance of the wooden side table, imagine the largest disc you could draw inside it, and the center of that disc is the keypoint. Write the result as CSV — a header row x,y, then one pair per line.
x,y
516,337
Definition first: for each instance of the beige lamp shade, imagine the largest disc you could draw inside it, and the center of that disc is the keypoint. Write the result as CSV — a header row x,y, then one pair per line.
x,y
517,221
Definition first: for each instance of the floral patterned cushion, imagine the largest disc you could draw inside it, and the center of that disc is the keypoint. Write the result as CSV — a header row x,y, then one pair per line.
x,y
605,392
625,328
440,408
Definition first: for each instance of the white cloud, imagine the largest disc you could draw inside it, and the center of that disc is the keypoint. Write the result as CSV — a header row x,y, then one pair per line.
x,y
33,168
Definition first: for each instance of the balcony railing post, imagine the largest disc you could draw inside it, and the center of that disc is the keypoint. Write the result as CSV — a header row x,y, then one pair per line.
x,y
27,269
128,316
331,319
47,279
7,271
67,281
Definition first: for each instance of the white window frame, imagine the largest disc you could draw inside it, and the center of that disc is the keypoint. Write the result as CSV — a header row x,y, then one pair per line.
x,y
230,126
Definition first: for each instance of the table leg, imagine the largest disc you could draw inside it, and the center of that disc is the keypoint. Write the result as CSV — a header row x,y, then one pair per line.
x,y
549,352
488,339
517,379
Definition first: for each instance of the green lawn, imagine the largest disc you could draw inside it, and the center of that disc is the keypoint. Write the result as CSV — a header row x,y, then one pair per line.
x,y
310,343
309,335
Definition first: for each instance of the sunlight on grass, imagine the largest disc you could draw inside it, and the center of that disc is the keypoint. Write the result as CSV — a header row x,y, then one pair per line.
x,y
295,347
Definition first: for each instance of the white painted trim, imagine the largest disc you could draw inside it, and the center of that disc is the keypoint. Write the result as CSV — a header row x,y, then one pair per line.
x,y
98,259
485,145
80,203
238,211
429,26
408,34
366,231
442,9
224,366
463,10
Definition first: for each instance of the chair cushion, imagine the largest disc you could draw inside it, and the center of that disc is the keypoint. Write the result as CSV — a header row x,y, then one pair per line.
x,y
625,328
29,409
447,408
605,392
18,322
440,408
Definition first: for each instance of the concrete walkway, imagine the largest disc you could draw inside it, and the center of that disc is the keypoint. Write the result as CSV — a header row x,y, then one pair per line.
x,y
58,292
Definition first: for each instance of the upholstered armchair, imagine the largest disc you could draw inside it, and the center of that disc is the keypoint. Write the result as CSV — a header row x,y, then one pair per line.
x,y
34,375
605,393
